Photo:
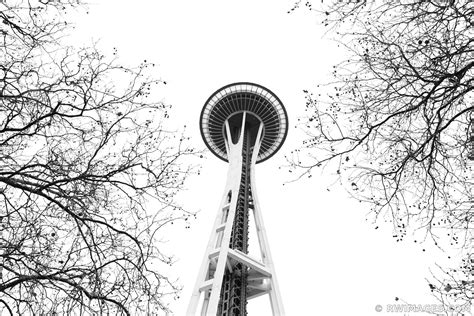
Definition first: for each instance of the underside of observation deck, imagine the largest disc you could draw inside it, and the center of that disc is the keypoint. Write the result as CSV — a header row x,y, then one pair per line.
x,y
237,98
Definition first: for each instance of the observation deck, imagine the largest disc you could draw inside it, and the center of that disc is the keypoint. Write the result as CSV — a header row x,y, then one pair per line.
x,y
234,99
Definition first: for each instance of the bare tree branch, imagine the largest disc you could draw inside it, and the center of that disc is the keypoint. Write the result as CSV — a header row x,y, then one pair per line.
x,y
395,121
88,174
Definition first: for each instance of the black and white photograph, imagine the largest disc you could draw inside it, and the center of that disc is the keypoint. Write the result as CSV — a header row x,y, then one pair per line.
x,y
236,158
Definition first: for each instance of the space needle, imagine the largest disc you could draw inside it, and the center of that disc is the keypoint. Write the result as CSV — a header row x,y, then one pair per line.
x,y
243,124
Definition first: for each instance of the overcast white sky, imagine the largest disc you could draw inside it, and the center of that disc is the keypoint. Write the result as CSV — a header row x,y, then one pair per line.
x,y
329,260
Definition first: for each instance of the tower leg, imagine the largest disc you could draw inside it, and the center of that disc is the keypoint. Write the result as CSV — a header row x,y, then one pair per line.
x,y
274,291
221,258
215,259
205,304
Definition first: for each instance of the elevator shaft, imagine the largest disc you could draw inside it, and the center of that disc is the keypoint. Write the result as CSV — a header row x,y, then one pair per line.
x,y
233,297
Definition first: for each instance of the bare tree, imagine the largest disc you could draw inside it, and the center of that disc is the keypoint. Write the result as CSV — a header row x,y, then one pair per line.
x,y
88,174
395,121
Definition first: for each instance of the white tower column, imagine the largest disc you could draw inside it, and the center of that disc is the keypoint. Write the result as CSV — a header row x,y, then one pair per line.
x,y
243,124
219,256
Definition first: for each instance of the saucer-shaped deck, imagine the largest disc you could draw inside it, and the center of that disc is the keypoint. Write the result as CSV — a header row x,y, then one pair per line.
x,y
236,98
